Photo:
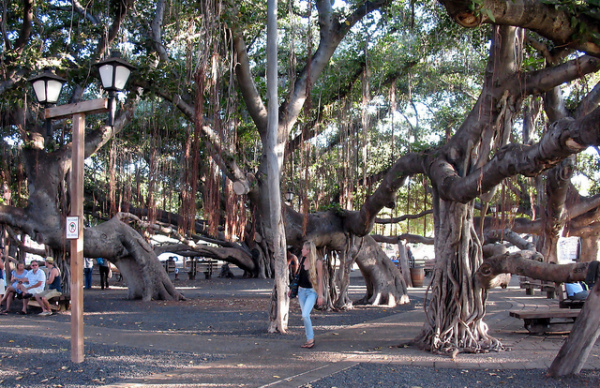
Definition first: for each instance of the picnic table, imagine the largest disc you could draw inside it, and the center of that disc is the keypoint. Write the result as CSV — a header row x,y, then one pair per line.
x,y
547,321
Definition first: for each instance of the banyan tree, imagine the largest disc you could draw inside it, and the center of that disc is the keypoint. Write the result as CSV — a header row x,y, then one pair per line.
x,y
194,125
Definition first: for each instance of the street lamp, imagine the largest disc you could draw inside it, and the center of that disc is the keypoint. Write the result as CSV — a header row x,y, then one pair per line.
x,y
114,73
289,196
47,87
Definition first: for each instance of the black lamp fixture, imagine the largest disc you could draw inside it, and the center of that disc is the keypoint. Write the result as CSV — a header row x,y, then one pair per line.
x,y
47,87
289,196
114,73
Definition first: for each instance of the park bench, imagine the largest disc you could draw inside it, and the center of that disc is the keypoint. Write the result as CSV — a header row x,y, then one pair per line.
x,y
206,266
547,321
58,303
429,266
564,301
530,285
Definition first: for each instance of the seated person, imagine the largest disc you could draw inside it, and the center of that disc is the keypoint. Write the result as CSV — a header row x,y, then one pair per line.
x,y
33,284
54,288
16,277
576,291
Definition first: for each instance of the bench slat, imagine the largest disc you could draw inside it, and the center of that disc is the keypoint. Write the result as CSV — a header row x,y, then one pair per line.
x,y
545,313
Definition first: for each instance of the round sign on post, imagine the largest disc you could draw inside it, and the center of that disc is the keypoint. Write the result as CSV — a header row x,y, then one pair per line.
x,y
72,228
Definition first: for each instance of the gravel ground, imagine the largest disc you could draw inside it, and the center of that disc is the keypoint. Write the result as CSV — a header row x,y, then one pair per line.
x,y
379,375
224,307
214,307
29,361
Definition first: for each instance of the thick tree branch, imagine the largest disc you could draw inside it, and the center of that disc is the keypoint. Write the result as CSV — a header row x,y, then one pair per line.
x,y
14,217
254,104
25,33
528,263
590,102
492,236
361,222
80,9
395,220
550,77
410,238
564,138
156,33
578,205
331,34
530,14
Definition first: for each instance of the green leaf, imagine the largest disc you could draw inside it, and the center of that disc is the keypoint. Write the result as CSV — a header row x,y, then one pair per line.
x,y
489,14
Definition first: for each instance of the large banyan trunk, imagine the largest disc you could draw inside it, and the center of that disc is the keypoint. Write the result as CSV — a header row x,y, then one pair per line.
x,y
385,283
113,240
454,314
126,248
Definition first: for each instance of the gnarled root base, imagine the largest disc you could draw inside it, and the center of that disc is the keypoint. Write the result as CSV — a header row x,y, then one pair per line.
x,y
384,299
451,346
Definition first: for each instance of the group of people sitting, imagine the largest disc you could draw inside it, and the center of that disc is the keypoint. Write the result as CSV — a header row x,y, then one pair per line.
x,y
32,284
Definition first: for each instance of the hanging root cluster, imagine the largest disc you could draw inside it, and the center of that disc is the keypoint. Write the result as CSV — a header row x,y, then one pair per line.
x,y
454,315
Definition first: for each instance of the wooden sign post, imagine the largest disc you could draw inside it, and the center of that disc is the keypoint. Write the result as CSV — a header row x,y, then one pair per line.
x,y
74,227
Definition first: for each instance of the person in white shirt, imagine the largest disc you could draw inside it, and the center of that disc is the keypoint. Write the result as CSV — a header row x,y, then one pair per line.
x,y
34,283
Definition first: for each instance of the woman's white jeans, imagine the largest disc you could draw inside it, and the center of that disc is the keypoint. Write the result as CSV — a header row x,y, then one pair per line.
x,y
307,298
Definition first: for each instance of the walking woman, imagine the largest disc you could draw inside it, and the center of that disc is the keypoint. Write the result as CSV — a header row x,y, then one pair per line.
x,y
310,288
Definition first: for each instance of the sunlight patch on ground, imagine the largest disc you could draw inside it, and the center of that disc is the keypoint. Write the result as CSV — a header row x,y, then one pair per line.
x,y
112,312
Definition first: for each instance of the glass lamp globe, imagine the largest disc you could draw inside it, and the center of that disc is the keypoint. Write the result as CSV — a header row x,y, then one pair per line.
x,y
47,86
114,72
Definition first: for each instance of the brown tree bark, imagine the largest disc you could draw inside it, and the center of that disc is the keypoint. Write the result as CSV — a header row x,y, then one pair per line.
x,y
44,218
385,284
530,263
554,213
586,330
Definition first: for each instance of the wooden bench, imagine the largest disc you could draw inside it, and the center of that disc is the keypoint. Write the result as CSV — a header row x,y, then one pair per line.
x,y
58,303
547,321
563,300
429,266
530,285
206,266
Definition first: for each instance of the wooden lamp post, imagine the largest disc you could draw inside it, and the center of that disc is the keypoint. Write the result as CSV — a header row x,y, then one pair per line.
x,y
47,89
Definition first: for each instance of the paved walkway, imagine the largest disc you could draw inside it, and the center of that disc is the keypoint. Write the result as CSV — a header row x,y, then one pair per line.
x,y
264,362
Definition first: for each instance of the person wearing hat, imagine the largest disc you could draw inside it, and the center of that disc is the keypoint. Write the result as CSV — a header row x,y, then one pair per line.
x,y
54,288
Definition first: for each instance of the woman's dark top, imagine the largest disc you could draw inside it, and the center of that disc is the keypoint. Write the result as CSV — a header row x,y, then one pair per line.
x,y
55,285
304,280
